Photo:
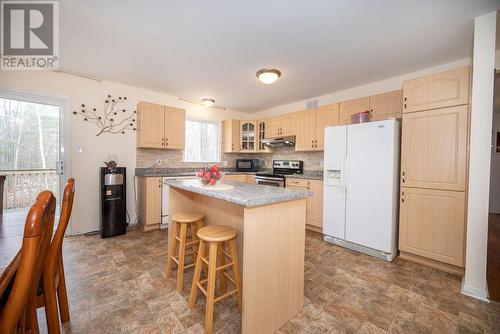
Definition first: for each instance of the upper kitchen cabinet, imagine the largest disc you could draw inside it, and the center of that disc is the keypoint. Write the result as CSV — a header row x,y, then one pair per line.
x,y
446,89
306,132
160,126
325,116
231,135
386,105
352,107
434,149
273,127
175,126
288,124
150,125
248,130
310,133
285,125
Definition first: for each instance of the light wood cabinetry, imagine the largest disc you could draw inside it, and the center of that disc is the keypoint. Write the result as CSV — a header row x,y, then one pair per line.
x,y
314,206
251,178
248,136
273,127
386,105
160,126
439,90
285,125
325,116
236,177
175,125
288,124
310,133
304,140
247,178
150,125
434,149
351,107
434,170
231,135
149,194
432,224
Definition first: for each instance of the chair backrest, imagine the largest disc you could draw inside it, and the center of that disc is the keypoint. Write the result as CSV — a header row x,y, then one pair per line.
x,y
37,233
56,245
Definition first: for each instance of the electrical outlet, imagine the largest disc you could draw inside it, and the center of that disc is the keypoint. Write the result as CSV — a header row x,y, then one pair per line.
x,y
158,162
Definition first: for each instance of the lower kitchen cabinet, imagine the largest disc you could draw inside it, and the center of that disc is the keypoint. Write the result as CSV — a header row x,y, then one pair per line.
x,y
247,178
432,227
149,194
314,208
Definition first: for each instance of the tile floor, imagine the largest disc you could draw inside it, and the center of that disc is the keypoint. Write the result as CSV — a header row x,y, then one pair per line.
x,y
117,285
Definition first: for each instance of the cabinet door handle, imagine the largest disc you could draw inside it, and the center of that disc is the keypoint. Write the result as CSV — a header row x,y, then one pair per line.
x,y
403,197
403,177
163,142
405,101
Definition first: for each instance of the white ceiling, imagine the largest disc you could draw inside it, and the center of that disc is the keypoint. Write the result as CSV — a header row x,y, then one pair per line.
x,y
198,49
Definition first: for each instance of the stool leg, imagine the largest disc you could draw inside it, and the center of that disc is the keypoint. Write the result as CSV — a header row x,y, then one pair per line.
x,y
222,258
193,238
236,270
182,258
197,274
171,249
199,225
212,271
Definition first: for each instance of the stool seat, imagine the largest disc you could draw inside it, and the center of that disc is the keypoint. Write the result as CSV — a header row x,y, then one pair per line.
x,y
188,217
217,233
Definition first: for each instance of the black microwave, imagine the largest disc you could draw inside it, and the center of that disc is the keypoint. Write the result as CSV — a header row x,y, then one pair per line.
x,y
247,165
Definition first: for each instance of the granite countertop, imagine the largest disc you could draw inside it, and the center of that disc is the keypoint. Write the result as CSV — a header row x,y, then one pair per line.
x,y
243,194
308,174
173,172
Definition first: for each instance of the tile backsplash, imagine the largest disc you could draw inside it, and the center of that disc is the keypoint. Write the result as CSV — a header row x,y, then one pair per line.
x,y
146,158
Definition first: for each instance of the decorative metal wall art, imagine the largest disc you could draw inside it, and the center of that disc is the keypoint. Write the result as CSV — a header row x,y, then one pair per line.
x,y
112,119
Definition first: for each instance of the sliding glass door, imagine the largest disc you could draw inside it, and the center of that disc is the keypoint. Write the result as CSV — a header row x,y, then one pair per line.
x,y
32,137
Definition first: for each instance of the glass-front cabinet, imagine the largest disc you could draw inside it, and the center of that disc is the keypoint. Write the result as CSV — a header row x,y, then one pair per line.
x,y
261,134
248,136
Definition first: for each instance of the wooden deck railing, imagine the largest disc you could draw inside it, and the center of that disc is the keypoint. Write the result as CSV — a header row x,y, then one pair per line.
x,y
22,186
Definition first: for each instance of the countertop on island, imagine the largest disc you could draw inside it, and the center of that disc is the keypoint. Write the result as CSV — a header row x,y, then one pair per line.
x,y
178,172
244,194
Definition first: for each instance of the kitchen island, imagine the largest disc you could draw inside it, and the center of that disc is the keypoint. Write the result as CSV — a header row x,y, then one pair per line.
x,y
271,240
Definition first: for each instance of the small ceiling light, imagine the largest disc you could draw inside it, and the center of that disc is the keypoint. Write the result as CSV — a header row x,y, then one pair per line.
x,y
268,76
208,102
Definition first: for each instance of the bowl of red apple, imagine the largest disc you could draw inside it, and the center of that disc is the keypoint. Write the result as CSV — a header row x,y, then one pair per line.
x,y
209,175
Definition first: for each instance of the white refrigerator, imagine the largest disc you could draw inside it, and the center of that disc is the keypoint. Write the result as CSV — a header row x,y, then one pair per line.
x,y
361,189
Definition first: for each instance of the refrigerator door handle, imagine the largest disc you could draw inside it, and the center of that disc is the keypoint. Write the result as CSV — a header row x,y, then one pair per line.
x,y
346,175
342,174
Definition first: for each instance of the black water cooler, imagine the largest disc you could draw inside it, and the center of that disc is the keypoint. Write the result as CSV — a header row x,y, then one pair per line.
x,y
113,202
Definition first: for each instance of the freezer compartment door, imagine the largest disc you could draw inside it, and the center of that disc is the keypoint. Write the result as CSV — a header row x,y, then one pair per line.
x,y
333,211
372,176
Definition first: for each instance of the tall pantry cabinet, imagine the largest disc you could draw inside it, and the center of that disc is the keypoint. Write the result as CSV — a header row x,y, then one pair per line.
x,y
434,169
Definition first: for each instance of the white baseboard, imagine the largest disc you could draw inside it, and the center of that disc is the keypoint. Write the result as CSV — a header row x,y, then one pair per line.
x,y
474,292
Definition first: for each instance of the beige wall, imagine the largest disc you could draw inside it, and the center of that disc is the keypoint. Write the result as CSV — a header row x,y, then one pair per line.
x,y
85,166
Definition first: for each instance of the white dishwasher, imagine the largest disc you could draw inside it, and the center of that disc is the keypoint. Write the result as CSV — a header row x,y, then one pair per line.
x,y
164,197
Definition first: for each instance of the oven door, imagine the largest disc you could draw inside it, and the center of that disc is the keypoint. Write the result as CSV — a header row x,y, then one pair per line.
x,y
270,181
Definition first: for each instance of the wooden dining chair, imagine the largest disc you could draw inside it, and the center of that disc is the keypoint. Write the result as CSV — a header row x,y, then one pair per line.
x,y
53,288
19,280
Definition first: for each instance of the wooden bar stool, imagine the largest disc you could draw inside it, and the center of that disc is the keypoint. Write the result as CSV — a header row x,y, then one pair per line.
x,y
181,222
216,236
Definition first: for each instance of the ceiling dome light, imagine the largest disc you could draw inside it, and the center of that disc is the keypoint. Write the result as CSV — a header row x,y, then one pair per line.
x,y
268,76
208,102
